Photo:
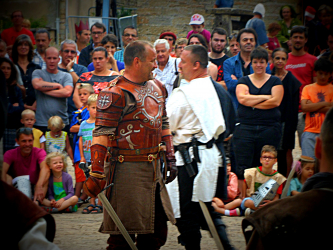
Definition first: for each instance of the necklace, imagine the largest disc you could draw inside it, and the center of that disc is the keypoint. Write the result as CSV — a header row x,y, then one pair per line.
x,y
282,76
57,177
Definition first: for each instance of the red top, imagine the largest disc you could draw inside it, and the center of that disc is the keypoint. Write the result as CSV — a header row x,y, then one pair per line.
x,y
20,165
302,68
9,35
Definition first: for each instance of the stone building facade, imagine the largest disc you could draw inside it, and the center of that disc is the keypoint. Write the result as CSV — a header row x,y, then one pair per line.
x,y
154,16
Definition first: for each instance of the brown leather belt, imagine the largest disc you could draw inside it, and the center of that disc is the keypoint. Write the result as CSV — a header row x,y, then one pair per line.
x,y
141,151
149,158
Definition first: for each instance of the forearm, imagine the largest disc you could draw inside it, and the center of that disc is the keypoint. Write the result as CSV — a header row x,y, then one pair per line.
x,y
115,66
81,148
44,86
75,77
268,104
313,107
75,128
102,140
251,100
44,176
324,110
60,93
76,99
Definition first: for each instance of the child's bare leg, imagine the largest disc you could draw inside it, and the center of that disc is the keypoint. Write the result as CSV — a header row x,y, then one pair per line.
x,y
234,204
218,202
250,204
46,202
217,208
78,188
70,202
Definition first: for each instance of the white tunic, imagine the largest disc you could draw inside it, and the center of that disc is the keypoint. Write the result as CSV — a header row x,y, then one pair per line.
x,y
194,108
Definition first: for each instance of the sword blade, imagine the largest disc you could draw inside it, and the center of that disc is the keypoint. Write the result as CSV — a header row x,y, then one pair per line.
x,y
211,225
106,204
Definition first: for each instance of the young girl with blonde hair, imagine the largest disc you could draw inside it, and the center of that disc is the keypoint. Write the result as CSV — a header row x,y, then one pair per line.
x,y
60,191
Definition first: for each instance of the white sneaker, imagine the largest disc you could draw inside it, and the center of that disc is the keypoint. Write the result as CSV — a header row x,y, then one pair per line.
x,y
248,211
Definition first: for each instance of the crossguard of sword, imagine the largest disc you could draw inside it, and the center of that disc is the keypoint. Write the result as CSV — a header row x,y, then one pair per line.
x,y
108,186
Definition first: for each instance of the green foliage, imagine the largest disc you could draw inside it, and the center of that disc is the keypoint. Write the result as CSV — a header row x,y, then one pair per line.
x,y
124,12
5,23
38,23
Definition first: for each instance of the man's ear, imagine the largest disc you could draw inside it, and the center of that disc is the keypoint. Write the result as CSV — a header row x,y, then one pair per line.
x,y
318,148
196,65
136,62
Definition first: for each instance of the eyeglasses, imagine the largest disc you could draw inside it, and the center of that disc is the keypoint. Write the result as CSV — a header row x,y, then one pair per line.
x,y
97,33
67,51
268,158
169,39
128,35
299,26
21,130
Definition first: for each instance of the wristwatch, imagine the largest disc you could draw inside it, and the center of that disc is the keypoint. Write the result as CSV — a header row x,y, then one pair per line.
x,y
71,70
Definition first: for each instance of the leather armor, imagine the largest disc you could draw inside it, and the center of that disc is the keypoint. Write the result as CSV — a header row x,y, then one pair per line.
x,y
139,129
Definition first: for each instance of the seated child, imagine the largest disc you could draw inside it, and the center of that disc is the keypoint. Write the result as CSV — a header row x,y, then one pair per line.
x,y
56,139
85,141
198,23
255,177
60,192
28,120
304,169
82,114
316,100
230,206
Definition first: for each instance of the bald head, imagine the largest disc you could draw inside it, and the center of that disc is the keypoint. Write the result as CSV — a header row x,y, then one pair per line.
x,y
51,49
136,49
52,59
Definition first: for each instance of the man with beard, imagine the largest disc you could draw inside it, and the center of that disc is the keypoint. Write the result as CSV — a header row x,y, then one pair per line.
x,y
131,123
301,64
43,40
167,66
218,42
240,65
68,52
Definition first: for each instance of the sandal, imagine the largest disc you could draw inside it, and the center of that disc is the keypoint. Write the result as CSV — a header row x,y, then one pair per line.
x,y
97,210
86,210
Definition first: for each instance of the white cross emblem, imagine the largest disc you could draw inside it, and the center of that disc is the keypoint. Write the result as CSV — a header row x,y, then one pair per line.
x,y
104,101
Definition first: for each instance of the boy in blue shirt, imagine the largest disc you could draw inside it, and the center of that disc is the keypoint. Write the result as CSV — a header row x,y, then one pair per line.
x,y
85,140
82,114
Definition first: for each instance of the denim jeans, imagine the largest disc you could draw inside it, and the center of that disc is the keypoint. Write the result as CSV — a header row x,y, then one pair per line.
x,y
248,142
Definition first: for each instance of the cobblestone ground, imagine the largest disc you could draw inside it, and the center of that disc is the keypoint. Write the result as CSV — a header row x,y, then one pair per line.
x,y
80,231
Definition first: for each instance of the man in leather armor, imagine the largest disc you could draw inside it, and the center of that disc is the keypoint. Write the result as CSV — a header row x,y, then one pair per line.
x,y
131,126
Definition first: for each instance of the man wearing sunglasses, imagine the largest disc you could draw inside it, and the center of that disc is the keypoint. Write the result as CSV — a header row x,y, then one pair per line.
x,y
68,52
98,31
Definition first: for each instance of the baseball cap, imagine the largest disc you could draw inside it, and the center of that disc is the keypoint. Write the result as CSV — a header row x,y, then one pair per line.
x,y
197,19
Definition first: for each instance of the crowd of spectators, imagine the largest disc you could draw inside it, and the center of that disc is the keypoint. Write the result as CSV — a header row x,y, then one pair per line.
x,y
280,81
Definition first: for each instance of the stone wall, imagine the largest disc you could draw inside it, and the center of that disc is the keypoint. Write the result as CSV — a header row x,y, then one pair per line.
x,y
156,16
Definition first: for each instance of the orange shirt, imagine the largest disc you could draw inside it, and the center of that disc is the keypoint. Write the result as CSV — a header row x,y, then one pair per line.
x,y
316,93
